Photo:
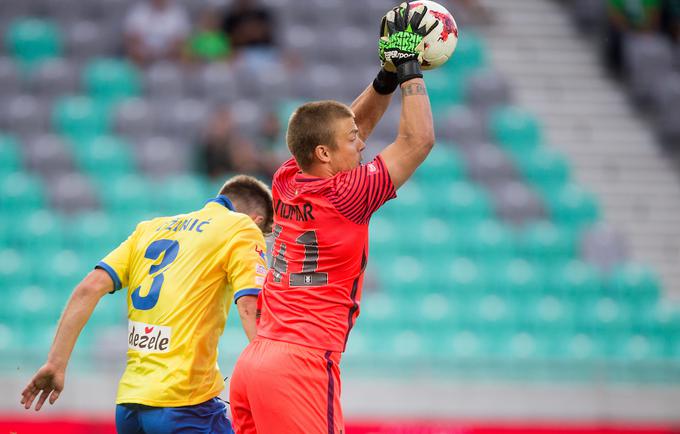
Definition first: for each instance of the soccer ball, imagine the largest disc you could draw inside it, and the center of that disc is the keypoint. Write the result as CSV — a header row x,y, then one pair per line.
x,y
441,42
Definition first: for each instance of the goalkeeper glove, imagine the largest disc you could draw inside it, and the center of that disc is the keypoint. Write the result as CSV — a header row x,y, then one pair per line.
x,y
402,40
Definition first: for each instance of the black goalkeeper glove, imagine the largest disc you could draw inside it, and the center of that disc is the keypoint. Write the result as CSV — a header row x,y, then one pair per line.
x,y
402,40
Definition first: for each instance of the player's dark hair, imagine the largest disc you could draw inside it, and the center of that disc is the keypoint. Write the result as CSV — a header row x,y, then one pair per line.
x,y
252,195
311,125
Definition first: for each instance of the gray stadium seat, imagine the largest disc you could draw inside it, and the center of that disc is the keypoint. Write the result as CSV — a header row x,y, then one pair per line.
x,y
134,118
160,157
48,155
386,130
488,164
71,193
666,99
25,115
218,84
164,81
248,117
10,77
184,120
604,247
463,127
67,11
87,39
516,203
18,8
486,90
55,78
648,58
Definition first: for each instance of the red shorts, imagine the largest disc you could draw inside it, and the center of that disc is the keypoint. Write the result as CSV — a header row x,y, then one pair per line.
x,y
278,387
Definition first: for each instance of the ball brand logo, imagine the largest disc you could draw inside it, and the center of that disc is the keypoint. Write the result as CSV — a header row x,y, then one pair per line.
x,y
448,26
148,338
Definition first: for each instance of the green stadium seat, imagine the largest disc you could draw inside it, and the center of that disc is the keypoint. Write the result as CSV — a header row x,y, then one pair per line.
x,y
36,305
445,88
576,281
384,237
111,80
20,193
572,206
15,269
581,347
10,158
470,54
93,235
545,243
61,269
38,230
463,344
127,194
80,118
635,283
404,274
515,129
10,342
489,240
545,168
464,279
180,194
493,313
110,311
519,278
380,311
631,348
548,314
604,315
105,157
412,204
32,41
431,239
434,311
442,167
462,202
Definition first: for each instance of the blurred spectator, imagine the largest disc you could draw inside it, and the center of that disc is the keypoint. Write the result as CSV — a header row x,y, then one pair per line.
x,y
628,16
670,18
248,24
208,43
224,150
155,30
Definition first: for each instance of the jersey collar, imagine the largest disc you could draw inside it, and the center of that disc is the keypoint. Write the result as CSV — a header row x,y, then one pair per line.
x,y
222,200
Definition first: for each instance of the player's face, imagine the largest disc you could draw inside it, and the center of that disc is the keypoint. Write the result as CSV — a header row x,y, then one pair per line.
x,y
347,154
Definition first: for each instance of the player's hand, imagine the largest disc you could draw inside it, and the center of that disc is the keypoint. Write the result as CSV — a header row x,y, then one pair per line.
x,y
49,380
401,35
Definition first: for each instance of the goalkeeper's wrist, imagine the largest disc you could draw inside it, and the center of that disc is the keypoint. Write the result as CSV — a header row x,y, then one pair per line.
x,y
408,70
385,82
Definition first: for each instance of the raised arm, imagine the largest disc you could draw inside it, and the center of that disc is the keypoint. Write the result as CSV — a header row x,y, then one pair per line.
x,y
416,131
50,377
369,108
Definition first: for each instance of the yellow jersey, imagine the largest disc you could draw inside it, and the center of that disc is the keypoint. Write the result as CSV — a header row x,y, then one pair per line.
x,y
182,273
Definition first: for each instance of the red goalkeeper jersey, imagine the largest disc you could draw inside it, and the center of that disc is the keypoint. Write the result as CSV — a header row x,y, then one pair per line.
x,y
312,291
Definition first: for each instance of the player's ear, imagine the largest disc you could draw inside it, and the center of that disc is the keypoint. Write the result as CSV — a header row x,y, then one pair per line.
x,y
322,153
258,219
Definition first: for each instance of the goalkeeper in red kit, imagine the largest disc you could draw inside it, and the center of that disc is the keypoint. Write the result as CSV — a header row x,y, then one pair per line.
x,y
288,379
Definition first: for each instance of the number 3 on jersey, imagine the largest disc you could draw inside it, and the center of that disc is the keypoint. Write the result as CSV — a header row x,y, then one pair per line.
x,y
308,275
154,251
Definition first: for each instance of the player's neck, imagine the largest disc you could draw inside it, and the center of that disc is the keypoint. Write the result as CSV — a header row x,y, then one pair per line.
x,y
319,171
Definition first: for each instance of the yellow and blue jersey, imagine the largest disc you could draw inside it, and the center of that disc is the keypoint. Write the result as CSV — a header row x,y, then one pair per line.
x,y
182,273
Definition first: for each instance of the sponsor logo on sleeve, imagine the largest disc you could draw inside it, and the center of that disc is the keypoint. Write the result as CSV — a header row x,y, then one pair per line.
x,y
260,269
148,338
260,252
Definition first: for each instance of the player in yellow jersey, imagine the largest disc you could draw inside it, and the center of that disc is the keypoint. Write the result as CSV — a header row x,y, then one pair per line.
x,y
182,273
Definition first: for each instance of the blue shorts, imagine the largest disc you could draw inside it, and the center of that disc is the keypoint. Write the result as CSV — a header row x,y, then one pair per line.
x,y
208,417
